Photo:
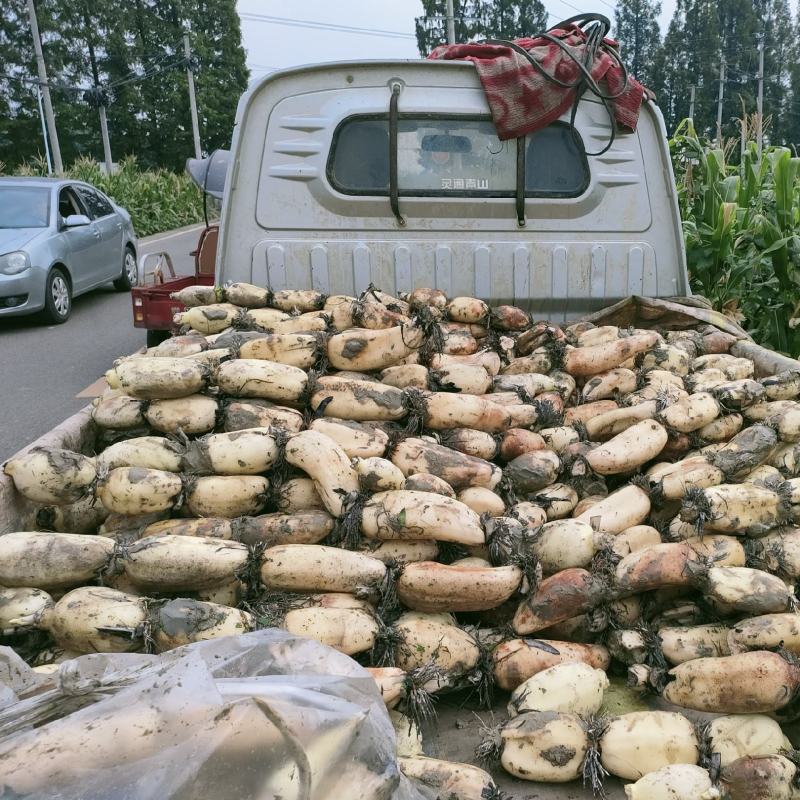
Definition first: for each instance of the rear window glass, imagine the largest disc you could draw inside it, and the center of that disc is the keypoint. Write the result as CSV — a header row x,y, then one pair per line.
x,y
461,157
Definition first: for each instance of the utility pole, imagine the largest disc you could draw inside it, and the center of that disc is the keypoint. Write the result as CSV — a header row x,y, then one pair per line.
x,y
45,87
451,23
691,102
44,131
744,128
719,100
106,140
97,97
187,51
760,106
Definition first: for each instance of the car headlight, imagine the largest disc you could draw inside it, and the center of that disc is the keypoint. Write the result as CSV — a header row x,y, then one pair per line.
x,y
13,263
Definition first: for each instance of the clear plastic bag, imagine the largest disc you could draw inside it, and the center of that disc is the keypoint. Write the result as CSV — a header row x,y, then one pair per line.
x,y
259,716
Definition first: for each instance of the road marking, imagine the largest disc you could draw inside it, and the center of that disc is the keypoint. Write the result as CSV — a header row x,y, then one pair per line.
x,y
163,238
94,389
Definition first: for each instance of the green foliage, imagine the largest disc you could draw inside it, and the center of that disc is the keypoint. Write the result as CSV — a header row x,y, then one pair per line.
x,y
792,115
636,28
479,19
689,57
157,199
781,50
742,230
702,33
114,45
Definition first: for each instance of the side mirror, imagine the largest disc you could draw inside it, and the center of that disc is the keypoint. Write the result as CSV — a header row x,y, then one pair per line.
x,y
76,220
210,173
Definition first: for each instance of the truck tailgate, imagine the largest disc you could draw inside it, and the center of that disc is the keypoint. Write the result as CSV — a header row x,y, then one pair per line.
x,y
555,279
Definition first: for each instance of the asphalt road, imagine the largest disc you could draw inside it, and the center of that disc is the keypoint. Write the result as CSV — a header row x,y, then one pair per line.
x,y
43,367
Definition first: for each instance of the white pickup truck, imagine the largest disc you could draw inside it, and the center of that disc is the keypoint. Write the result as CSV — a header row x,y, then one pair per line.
x,y
391,173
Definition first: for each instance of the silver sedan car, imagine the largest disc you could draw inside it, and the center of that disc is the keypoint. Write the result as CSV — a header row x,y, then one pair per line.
x,y
58,239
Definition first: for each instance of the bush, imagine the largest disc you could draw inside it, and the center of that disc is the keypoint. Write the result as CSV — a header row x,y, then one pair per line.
x,y
157,199
741,224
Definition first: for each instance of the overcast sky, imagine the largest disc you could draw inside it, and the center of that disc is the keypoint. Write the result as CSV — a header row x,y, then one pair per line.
x,y
270,44
279,34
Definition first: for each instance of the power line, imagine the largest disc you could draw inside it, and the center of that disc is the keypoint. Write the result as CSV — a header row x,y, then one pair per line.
x,y
569,5
550,15
134,78
329,26
155,61
149,73
314,25
37,82
462,17
325,26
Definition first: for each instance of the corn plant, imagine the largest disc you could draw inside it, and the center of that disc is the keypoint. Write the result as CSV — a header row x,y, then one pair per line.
x,y
741,225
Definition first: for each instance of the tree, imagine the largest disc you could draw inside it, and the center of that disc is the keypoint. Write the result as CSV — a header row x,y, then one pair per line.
x,y
18,106
636,30
738,29
689,57
780,58
512,19
134,51
223,73
792,131
431,28
148,109
700,36
479,19
20,128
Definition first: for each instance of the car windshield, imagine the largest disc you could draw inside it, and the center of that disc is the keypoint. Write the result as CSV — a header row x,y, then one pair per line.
x,y
24,207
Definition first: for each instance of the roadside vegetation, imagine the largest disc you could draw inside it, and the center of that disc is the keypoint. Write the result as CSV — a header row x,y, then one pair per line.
x,y
741,223
157,199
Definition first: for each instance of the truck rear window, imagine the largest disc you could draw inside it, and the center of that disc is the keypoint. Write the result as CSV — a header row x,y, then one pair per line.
x,y
455,157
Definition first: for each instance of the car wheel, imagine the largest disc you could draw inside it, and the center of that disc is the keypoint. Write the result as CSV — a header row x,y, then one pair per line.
x,y
129,274
58,297
154,338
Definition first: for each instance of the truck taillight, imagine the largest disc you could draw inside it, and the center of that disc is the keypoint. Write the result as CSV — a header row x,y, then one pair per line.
x,y
138,317
137,301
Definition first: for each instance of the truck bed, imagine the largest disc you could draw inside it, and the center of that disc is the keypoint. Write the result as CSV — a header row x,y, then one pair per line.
x,y
459,727
153,308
